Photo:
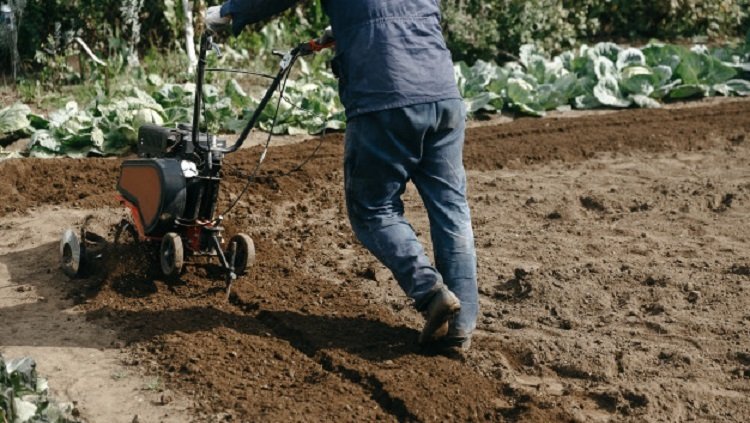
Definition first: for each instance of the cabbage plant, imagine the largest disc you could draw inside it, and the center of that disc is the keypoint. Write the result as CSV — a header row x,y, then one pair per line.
x,y
24,395
604,75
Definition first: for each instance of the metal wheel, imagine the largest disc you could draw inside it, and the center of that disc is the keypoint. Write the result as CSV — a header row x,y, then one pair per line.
x,y
71,254
171,255
244,253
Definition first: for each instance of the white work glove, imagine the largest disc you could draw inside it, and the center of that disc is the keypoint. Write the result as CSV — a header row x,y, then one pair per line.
x,y
214,20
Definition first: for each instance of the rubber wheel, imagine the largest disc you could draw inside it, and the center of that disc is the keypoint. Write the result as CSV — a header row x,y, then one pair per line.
x,y
71,254
245,256
171,255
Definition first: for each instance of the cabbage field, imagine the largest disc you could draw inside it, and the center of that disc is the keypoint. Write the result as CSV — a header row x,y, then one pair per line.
x,y
604,75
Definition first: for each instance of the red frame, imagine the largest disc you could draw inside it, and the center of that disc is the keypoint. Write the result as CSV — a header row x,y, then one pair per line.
x,y
192,233
137,220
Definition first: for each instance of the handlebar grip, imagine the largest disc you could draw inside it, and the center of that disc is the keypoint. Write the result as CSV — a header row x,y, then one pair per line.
x,y
325,41
317,46
327,37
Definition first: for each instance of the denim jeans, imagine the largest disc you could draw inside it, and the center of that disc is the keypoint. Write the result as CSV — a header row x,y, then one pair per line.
x,y
422,143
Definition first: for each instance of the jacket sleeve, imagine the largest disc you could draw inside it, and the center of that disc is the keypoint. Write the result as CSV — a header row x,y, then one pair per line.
x,y
246,12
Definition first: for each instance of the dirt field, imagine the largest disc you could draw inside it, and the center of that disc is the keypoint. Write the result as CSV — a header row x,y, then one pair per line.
x,y
614,263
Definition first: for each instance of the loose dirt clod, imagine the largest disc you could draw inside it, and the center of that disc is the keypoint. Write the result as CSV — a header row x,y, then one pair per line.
x,y
741,270
694,296
590,203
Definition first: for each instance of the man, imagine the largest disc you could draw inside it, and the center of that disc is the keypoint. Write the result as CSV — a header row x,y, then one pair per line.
x,y
405,122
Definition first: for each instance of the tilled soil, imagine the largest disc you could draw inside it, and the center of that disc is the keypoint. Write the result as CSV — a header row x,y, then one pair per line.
x,y
613,261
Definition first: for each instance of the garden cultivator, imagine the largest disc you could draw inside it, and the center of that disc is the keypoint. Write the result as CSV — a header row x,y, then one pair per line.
x,y
172,188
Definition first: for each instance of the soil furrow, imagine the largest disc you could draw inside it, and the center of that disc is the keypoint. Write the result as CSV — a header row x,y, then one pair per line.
x,y
523,128
391,405
531,142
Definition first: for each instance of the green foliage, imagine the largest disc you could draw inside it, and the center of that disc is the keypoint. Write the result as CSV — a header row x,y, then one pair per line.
x,y
311,105
665,18
475,29
93,20
109,124
604,75
488,30
474,84
23,395
14,122
122,95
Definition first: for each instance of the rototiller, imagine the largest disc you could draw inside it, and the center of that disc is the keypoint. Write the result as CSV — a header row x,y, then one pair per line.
x,y
172,189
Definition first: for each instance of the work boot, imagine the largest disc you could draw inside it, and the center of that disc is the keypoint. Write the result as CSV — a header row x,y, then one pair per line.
x,y
443,305
454,344
447,346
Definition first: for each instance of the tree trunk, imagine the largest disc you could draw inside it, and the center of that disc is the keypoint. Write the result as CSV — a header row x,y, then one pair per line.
x,y
189,35
17,8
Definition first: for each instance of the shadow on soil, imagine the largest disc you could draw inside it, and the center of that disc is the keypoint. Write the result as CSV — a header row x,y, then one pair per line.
x,y
35,299
369,339
38,269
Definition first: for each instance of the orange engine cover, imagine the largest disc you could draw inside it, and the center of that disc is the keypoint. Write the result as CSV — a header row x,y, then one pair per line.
x,y
158,188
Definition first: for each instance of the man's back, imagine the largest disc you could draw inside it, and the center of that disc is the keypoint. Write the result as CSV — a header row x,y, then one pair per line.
x,y
390,53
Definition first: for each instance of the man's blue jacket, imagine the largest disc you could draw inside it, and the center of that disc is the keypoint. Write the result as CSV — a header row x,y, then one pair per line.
x,y
389,53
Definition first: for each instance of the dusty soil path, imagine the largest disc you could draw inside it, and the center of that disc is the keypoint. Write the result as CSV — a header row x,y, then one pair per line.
x,y
84,363
613,254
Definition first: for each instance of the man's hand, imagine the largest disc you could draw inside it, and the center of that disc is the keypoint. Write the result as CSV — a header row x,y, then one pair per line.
x,y
214,20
